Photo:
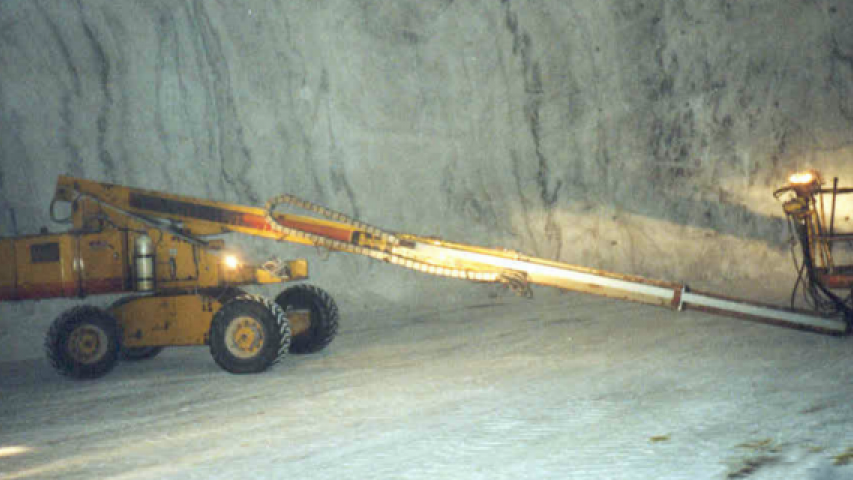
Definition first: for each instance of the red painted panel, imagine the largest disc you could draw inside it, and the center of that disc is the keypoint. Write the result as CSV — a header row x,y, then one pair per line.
x,y
837,281
58,289
256,221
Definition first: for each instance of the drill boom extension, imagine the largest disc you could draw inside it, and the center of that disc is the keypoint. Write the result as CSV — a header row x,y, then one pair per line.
x,y
194,217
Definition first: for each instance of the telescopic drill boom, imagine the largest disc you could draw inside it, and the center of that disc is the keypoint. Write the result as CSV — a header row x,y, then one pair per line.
x,y
185,287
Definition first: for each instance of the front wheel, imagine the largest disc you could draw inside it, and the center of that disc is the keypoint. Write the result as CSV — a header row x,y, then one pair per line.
x,y
249,334
323,313
83,342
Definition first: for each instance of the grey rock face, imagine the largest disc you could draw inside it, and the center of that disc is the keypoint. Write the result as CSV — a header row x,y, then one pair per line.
x,y
644,137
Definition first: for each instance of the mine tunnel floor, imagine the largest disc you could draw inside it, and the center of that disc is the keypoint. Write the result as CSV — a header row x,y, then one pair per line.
x,y
562,386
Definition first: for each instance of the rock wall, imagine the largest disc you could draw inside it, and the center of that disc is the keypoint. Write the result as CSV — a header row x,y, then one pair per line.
x,y
643,137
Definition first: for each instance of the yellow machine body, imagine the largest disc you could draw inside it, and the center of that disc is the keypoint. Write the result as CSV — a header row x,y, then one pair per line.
x,y
81,264
167,320
176,320
98,256
63,265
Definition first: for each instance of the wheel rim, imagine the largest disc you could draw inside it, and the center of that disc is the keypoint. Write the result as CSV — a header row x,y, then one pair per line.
x,y
87,344
244,337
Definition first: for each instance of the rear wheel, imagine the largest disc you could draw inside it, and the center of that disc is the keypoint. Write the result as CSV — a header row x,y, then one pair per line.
x,y
83,342
323,312
249,334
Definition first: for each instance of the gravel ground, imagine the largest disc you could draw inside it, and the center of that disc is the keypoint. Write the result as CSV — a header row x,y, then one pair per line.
x,y
563,386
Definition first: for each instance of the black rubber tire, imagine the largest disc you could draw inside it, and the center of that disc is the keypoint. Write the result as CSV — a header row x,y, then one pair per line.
x,y
274,334
135,354
84,326
324,316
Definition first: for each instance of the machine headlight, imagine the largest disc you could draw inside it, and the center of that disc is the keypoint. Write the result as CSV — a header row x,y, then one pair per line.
x,y
804,178
231,261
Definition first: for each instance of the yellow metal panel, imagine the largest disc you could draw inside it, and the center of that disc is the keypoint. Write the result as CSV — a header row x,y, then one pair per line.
x,y
166,320
298,269
262,276
209,271
8,276
102,262
44,266
174,260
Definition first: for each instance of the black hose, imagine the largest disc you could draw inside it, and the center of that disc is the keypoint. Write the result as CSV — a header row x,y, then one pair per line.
x,y
824,299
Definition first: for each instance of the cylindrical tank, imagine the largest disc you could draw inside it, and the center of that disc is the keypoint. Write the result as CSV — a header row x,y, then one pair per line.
x,y
143,258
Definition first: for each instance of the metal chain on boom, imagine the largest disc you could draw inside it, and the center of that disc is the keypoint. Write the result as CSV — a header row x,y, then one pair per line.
x,y
393,258
328,213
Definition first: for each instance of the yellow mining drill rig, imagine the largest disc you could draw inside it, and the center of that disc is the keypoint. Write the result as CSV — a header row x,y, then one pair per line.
x,y
184,287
